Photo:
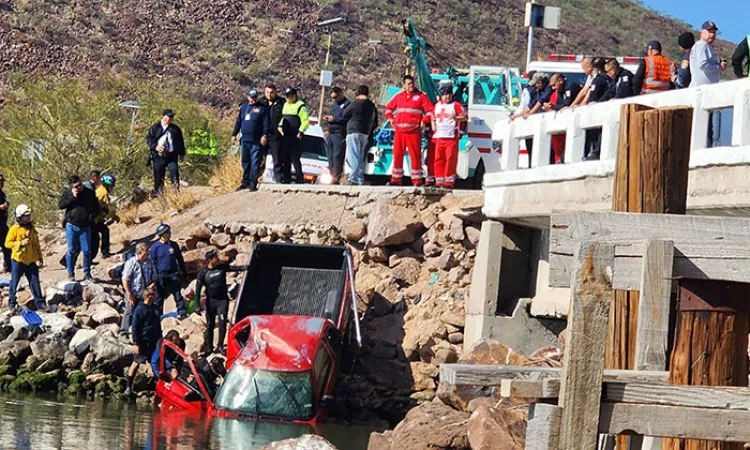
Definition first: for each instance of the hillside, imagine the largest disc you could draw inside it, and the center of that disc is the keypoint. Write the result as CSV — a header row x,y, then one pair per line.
x,y
214,48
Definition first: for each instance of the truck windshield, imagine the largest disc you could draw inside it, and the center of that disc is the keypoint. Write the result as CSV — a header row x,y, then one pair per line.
x,y
261,393
490,88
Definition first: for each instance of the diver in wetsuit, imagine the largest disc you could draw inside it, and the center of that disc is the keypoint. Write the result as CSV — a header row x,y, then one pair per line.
x,y
214,278
211,374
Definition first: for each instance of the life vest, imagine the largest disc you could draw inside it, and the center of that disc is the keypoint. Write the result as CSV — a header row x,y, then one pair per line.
x,y
658,77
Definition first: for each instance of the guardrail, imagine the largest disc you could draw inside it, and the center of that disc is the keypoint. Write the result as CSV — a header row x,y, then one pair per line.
x,y
575,122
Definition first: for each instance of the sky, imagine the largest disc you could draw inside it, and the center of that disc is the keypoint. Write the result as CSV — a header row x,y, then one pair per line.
x,y
731,16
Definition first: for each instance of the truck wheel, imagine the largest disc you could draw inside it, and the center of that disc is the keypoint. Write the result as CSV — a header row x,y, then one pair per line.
x,y
478,180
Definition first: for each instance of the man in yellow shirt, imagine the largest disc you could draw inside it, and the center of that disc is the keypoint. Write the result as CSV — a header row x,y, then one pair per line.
x,y
100,229
23,241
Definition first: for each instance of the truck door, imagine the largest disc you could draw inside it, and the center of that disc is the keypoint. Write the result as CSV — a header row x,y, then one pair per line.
x,y
187,390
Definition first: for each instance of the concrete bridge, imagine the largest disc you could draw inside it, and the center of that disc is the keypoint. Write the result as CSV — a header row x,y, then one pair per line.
x,y
719,177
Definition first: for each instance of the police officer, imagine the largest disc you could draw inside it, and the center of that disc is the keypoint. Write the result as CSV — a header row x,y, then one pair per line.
x,y
599,85
337,134
170,268
214,278
621,81
741,59
275,106
254,122
294,122
682,78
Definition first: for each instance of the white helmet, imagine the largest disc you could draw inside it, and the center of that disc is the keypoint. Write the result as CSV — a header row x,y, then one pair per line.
x,y
22,210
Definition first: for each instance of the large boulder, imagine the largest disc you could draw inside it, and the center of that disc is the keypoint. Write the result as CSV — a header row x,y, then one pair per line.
x,y
429,426
354,230
14,353
393,225
102,313
496,428
51,345
108,352
57,322
80,337
304,442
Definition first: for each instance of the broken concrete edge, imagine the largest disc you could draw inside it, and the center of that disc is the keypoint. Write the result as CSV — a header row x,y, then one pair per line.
x,y
485,282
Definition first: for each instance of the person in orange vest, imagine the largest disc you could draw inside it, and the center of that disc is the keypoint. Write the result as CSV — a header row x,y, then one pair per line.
x,y
406,111
655,72
445,120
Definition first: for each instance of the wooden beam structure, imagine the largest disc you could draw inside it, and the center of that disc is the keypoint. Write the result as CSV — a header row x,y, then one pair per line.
x,y
543,429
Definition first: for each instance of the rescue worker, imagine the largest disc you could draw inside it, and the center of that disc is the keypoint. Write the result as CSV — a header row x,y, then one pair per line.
x,y
541,96
686,42
621,81
146,333
4,207
406,111
81,206
166,147
212,374
563,95
741,58
138,275
446,117
275,106
587,65
214,278
170,268
593,139
293,124
529,91
172,361
654,72
254,123
100,228
336,139
26,252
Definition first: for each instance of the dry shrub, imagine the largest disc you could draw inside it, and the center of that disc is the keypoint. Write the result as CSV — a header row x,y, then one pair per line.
x,y
178,200
227,176
128,215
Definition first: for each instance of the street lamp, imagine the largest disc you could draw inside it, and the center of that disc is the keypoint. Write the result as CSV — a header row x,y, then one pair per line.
x,y
134,106
329,23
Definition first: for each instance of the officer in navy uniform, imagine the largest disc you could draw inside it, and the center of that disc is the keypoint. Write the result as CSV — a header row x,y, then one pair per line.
x,y
598,87
253,120
620,82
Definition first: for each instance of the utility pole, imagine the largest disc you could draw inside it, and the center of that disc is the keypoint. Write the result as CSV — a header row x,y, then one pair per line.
x,y
530,43
329,24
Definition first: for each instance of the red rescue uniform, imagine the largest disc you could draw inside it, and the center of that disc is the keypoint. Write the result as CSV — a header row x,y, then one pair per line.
x,y
445,137
406,111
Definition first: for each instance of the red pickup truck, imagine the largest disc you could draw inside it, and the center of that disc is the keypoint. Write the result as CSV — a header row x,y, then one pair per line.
x,y
294,315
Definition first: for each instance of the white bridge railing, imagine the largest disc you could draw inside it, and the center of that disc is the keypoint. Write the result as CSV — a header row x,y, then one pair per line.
x,y
575,122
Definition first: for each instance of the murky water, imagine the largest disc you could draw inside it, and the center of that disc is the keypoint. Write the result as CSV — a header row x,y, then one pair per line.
x,y
40,423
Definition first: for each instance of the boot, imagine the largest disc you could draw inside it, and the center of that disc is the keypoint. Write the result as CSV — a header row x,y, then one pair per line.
x,y
128,387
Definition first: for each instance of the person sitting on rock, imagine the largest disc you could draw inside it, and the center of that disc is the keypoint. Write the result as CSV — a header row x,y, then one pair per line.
x,y
170,266
23,241
214,278
146,333
172,361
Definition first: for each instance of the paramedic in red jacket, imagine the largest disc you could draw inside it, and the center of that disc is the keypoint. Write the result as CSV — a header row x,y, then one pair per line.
x,y
445,119
406,111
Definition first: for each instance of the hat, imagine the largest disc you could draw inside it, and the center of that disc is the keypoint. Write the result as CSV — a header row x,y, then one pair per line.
x,y
22,210
709,25
656,45
686,40
537,77
252,93
290,91
168,112
163,228
446,89
211,254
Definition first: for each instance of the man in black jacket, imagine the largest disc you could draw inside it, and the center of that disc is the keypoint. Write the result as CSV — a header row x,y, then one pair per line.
x,y
81,207
741,59
4,207
361,122
275,106
166,147
337,134
620,84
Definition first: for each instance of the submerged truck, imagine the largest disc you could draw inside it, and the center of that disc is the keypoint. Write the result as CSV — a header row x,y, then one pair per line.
x,y
294,323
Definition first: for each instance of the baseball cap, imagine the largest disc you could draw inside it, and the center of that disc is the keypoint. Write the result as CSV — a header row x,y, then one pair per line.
x,y
168,112
446,89
709,25
656,45
290,91
252,93
537,77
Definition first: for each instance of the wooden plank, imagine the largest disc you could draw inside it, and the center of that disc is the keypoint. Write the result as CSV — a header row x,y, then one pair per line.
x,y
710,397
543,429
652,333
583,363
675,421
487,375
635,181
530,389
675,125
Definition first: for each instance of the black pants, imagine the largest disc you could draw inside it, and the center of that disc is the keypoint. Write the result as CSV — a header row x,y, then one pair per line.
x,y
161,166
336,153
6,251
593,145
280,162
293,149
216,310
99,236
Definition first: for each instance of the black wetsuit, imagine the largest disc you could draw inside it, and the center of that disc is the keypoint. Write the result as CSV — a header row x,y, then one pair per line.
x,y
217,300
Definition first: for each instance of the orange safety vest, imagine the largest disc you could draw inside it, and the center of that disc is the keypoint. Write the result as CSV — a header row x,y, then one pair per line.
x,y
658,77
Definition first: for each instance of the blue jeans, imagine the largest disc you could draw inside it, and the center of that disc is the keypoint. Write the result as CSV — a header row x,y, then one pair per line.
x,y
31,271
79,239
170,285
252,157
356,149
